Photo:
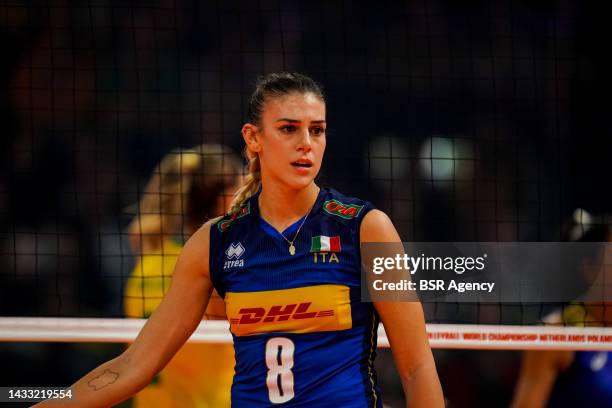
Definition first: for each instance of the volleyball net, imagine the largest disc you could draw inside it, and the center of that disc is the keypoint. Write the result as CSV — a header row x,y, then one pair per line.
x,y
458,336
464,124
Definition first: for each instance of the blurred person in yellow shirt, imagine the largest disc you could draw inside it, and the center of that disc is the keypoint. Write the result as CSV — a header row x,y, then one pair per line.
x,y
187,188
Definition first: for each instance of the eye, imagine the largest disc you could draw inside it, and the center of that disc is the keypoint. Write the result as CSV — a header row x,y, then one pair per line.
x,y
317,131
288,128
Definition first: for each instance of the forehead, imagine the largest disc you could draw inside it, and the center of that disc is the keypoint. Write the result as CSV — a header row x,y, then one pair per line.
x,y
300,106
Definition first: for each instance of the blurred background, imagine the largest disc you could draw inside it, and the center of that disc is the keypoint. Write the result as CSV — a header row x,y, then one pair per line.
x,y
469,121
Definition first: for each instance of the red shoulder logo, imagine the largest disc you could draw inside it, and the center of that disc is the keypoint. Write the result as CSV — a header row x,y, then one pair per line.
x,y
226,222
346,211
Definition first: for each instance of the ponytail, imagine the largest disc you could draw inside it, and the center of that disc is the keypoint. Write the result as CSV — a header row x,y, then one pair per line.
x,y
252,182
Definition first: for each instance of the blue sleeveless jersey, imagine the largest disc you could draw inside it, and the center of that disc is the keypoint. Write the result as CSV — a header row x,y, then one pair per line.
x,y
586,383
301,335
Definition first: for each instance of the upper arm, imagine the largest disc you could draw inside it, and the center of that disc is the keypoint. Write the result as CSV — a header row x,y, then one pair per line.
x,y
404,321
182,308
539,371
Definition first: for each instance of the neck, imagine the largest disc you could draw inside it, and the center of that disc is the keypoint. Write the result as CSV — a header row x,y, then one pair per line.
x,y
281,207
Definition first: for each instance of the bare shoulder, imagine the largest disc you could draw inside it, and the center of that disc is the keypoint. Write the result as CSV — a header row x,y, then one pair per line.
x,y
378,227
202,235
195,253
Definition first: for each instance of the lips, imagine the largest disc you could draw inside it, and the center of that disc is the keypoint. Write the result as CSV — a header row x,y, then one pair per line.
x,y
306,164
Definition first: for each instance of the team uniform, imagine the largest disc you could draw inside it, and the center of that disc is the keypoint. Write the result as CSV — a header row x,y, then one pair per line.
x,y
587,382
302,337
199,375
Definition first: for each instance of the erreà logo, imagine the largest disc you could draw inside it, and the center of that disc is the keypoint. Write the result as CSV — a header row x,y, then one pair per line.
x,y
347,211
233,253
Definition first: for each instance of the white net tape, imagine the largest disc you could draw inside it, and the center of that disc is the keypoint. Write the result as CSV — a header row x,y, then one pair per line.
x,y
461,336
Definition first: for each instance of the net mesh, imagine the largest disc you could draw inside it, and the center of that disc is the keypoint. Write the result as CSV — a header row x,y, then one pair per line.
x,y
478,121
463,123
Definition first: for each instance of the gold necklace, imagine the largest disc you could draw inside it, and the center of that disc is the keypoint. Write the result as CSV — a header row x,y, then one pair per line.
x,y
291,246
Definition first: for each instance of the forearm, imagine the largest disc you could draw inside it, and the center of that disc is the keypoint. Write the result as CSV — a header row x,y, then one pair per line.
x,y
422,387
533,391
106,385
161,337
536,379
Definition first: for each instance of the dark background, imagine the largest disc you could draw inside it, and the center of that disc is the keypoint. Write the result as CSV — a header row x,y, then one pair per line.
x,y
465,121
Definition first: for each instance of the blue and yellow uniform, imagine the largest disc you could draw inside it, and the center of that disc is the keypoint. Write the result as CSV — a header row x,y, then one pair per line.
x,y
302,337
587,382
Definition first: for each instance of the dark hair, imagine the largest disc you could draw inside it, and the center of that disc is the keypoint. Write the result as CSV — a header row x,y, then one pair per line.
x,y
278,84
269,86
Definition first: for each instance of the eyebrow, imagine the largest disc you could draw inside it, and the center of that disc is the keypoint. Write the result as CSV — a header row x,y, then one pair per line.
x,y
298,121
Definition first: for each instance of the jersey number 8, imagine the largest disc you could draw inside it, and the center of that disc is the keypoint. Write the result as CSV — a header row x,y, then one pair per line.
x,y
279,359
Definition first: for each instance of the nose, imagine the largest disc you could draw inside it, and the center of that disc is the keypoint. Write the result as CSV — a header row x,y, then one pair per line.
x,y
305,141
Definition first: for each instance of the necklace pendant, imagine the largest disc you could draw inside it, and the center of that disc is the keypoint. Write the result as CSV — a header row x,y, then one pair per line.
x,y
291,250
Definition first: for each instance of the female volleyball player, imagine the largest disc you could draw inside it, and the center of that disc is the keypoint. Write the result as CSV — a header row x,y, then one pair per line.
x,y
186,188
567,378
286,262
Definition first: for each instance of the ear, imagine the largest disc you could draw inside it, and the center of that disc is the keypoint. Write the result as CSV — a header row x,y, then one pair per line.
x,y
250,134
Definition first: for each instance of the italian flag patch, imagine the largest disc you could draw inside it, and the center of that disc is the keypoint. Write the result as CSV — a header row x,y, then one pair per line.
x,y
325,244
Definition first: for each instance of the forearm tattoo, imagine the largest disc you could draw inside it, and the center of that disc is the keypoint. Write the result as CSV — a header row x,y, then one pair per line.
x,y
106,378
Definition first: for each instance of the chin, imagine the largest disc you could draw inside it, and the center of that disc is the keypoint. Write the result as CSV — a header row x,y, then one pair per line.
x,y
295,185
299,183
